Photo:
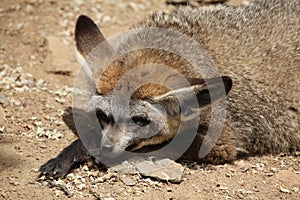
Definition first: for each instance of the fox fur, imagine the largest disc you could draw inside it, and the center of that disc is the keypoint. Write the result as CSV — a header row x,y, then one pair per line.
x,y
256,49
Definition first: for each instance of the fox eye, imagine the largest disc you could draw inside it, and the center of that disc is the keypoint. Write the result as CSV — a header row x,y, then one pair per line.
x,y
102,117
141,120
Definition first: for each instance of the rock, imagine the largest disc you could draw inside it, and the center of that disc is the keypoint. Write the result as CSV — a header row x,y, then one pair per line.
x,y
295,189
81,186
71,177
99,180
4,102
108,176
2,115
284,190
127,180
165,170
125,168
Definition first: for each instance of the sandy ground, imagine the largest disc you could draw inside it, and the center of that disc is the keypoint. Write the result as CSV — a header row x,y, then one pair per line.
x,y
37,73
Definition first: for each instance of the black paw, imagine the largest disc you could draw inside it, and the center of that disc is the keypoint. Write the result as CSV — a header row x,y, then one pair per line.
x,y
54,168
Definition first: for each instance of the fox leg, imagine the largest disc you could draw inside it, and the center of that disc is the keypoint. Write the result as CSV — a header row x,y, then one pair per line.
x,y
67,159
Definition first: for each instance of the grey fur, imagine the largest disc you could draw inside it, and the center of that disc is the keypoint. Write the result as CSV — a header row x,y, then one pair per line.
x,y
258,47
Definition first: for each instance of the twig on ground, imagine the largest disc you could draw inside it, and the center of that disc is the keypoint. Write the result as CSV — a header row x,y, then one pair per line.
x,y
62,187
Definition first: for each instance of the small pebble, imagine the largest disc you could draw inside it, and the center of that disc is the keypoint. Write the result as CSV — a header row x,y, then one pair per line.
x,y
295,189
127,180
81,186
4,102
108,176
2,115
284,190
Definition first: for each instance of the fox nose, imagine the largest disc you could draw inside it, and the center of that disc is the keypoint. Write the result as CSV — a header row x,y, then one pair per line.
x,y
107,148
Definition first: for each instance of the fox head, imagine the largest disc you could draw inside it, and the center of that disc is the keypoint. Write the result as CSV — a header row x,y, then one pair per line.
x,y
147,114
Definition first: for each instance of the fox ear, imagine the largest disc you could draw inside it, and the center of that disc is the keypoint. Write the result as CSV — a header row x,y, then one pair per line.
x,y
92,48
87,35
189,101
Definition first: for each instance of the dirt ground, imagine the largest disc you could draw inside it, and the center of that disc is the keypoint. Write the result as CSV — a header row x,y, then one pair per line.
x,y
37,73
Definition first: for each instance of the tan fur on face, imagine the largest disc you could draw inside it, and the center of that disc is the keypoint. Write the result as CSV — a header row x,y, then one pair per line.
x,y
113,73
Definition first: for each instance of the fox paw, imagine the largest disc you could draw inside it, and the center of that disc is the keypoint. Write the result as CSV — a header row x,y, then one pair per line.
x,y
54,168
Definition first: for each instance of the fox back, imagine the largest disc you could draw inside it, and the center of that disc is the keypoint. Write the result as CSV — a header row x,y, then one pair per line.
x,y
255,48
